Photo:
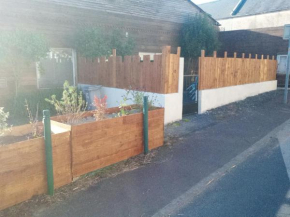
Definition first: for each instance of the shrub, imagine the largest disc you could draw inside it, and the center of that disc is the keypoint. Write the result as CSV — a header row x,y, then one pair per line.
x,y
17,108
92,43
137,98
71,106
198,33
3,121
20,48
101,107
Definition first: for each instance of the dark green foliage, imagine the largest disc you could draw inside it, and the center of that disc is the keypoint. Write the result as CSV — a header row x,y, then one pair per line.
x,y
71,105
18,111
20,48
26,45
198,33
124,45
95,42
91,43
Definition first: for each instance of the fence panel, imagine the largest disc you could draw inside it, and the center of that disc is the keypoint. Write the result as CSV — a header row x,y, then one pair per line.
x,y
223,72
23,171
159,76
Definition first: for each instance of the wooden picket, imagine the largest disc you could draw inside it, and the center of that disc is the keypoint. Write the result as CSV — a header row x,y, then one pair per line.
x,y
158,76
223,72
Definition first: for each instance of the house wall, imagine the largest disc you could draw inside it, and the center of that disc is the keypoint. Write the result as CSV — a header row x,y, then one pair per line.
x,y
256,21
267,41
58,23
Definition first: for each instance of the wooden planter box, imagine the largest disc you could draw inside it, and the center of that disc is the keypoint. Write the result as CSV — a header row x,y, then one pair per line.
x,y
23,166
77,150
102,143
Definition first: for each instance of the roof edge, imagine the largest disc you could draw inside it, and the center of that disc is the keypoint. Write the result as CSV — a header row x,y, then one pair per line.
x,y
249,15
197,7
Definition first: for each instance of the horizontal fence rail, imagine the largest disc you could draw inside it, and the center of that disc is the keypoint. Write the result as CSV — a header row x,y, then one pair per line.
x,y
158,76
223,72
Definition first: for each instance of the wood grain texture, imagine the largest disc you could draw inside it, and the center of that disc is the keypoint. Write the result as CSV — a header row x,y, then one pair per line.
x,y
23,170
223,72
99,144
159,76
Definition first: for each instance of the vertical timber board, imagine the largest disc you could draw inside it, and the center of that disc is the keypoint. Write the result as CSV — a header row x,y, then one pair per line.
x,y
114,72
102,71
118,71
165,68
170,73
158,73
135,72
127,72
176,73
146,73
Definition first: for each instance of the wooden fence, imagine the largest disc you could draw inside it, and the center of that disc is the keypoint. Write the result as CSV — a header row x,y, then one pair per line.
x,y
23,167
77,150
223,72
158,76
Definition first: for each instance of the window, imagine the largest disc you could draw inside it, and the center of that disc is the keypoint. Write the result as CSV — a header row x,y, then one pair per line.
x,y
59,66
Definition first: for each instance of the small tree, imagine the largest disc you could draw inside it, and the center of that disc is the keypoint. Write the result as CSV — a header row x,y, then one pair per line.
x,y
198,33
93,42
20,48
124,45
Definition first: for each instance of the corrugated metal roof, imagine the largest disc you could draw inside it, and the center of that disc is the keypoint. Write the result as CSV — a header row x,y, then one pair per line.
x,y
222,9
169,10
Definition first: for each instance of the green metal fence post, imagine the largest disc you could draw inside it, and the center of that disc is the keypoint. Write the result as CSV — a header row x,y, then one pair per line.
x,y
48,151
145,124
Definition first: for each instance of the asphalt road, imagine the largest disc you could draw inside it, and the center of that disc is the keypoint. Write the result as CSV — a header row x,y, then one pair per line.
x,y
210,141
258,187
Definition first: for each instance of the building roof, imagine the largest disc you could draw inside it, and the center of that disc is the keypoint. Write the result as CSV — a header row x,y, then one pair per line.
x,y
222,9
168,10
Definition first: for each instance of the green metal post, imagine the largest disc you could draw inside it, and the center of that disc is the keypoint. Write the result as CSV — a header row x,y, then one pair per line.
x,y
145,124
48,151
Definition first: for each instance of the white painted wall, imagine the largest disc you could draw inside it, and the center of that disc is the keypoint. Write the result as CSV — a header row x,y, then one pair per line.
x,y
268,20
213,98
172,103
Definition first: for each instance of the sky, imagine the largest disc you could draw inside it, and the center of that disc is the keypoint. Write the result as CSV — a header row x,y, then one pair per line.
x,y
202,1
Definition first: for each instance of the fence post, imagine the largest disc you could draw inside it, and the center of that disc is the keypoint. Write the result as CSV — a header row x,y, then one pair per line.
x,y
48,152
145,124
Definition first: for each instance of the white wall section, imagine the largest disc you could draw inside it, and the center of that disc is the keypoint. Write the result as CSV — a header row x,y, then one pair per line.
x,y
213,98
268,20
172,103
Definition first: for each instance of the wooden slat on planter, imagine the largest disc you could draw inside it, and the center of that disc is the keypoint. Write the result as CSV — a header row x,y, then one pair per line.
x,y
23,170
99,144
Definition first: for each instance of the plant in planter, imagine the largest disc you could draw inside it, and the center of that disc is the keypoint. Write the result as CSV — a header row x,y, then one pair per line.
x,y
3,121
36,129
101,107
137,98
71,107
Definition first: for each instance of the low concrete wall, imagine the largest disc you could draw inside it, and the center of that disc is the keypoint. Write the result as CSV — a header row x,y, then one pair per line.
x,y
213,98
172,103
